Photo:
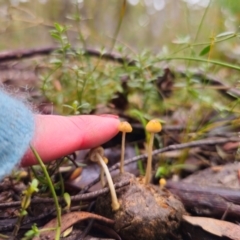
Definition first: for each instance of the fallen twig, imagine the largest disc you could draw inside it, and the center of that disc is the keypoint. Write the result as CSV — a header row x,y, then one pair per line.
x,y
29,220
79,197
198,143
25,53
210,141
207,200
28,53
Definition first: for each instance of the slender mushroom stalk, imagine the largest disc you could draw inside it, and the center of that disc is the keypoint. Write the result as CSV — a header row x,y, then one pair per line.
x,y
123,127
97,155
153,126
102,173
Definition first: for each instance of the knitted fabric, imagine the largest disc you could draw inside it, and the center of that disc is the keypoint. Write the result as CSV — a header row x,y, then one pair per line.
x,y
16,132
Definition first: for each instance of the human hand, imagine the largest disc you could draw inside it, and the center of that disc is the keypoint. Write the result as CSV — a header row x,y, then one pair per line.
x,y
56,136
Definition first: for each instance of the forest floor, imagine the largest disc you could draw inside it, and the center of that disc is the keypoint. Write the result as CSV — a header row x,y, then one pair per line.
x,y
200,199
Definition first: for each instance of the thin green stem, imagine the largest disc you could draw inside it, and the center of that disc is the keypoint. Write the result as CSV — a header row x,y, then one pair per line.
x,y
43,87
36,175
17,226
222,64
189,45
201,22
61,183
187,17
78,20
51,187
85,81
122,13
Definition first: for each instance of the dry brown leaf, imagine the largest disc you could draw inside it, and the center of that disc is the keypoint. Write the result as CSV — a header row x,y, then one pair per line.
x,y
217,227
67,220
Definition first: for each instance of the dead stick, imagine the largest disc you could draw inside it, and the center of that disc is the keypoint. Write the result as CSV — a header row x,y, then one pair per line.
x,y
210,141
20,54
198,143
75,198
207,200
28,53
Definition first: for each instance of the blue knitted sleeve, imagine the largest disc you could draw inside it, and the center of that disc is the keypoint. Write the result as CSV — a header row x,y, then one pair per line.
x,y
16,131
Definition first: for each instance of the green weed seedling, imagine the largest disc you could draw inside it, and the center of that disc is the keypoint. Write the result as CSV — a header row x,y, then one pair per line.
x,y
25,202
33,232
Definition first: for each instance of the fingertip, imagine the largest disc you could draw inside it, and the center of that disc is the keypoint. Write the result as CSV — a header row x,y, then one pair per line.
x,y
109,116
57,136
99,129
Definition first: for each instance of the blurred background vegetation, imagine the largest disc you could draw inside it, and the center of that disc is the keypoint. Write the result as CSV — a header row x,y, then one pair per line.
x,y
147,24
152,32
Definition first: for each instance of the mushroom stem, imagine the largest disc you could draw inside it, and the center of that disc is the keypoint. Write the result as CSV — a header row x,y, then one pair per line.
x,y
149,160
152,127
122,153
115,203
123,127
102,177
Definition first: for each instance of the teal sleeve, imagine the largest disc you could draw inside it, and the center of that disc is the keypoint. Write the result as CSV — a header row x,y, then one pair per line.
x,y
16,131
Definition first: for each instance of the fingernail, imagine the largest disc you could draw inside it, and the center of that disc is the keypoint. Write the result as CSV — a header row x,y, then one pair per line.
x,y
109,116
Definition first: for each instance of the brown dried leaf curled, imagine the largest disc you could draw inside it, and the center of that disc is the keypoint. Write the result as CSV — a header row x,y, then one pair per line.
x,y
67,220
216,227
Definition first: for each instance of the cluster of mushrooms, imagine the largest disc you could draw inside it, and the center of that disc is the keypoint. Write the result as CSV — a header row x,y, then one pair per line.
x,y
97,155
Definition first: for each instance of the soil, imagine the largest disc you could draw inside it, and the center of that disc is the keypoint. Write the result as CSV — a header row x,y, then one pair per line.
x,y
146,211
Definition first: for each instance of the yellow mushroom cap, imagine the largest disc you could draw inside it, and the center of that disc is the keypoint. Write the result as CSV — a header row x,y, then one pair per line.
x,y
162,182
93,153
125,127
154,126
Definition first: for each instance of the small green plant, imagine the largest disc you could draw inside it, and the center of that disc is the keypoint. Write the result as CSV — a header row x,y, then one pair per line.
x,y
165,170
75,83
50,184
33,232
25,202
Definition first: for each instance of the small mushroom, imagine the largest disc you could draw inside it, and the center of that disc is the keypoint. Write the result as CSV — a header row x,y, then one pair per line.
x,y
153,126
102,173
162,183
97,155
123,127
